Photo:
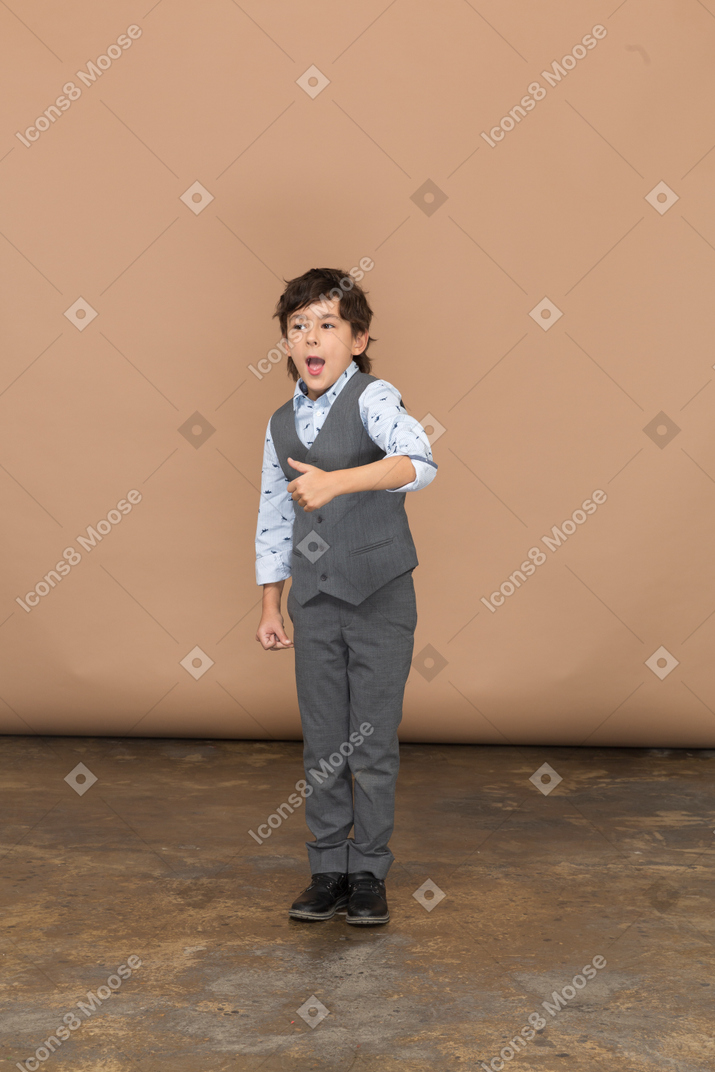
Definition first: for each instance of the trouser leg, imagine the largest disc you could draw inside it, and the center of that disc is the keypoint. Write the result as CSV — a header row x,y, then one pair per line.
x,y
324,702
379,634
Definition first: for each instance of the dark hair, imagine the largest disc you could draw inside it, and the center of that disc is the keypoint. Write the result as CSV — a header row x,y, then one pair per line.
x,y
321,284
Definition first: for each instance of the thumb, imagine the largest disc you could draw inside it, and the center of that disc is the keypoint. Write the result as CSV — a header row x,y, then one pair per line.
x,y
281,636
298,465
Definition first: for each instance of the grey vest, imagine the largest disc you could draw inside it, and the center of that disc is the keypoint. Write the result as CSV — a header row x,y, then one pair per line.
x,y
357,542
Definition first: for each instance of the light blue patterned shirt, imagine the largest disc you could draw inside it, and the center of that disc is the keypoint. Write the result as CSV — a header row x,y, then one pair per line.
x,y
384,420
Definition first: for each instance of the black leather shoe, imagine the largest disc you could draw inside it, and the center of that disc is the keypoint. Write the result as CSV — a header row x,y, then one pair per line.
x,y
367,903
326,895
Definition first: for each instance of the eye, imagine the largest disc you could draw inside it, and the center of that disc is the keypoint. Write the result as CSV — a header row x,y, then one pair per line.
x,y
299,325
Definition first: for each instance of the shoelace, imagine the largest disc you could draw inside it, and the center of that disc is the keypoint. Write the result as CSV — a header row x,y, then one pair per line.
x,y
373,885
324,883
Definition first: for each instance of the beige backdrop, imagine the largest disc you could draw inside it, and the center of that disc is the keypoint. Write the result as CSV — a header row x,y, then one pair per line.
x,y
543,286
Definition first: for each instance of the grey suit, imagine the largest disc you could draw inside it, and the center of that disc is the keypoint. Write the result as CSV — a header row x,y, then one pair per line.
x,y
352,605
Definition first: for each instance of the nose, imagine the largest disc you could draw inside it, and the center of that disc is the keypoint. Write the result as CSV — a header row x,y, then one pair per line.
x,y
311,335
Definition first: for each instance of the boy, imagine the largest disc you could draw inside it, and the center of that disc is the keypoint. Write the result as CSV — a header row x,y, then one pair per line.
x,y
339,457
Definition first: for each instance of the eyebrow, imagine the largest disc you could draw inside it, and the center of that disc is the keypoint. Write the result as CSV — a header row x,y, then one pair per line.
x,y
321,316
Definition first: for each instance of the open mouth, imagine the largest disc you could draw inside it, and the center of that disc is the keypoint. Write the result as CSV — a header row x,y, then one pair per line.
x,y
315,365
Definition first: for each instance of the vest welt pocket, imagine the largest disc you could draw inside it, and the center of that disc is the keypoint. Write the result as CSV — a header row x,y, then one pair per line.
x,y
371,546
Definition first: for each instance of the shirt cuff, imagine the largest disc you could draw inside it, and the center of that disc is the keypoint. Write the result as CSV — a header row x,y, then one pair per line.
x,y
425,472
271,568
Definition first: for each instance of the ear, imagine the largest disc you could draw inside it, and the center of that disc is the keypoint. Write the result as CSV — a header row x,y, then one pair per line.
x,y
360,342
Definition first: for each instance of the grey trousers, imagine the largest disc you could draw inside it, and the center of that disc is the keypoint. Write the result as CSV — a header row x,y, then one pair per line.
x,y
351,667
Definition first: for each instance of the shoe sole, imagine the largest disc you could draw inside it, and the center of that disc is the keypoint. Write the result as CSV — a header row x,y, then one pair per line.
x,y
339,906
367,921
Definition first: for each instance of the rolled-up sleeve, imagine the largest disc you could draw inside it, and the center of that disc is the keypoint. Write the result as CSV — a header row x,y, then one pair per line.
x,y
274,529
388,424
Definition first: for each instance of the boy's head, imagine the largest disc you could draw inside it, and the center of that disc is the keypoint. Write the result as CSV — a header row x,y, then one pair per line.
x,y
324,314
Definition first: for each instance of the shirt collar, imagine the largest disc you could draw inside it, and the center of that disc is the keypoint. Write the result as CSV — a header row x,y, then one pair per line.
x,y
300,394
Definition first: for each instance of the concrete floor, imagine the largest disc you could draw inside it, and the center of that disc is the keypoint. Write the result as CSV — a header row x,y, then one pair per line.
x,y
154,860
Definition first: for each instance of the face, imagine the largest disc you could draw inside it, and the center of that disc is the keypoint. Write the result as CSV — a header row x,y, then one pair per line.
x,y
322,345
